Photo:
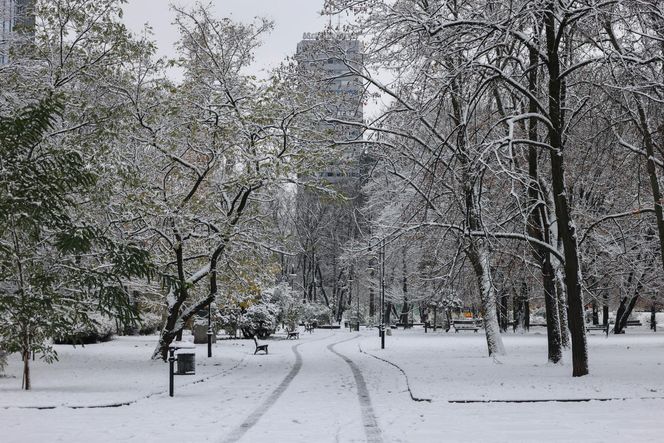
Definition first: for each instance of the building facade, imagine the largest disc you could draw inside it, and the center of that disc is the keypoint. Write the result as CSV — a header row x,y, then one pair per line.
x,y
330,62
16,18
328,65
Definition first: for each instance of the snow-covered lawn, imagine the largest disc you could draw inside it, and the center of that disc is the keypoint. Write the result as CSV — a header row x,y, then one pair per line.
x,y
327,386
455,366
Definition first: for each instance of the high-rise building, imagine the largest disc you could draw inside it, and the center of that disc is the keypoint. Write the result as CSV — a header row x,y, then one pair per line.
x,y
16,18
330,63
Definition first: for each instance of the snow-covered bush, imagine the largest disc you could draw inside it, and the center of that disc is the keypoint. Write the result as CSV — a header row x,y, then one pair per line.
x,y
289,304
317,314
150,323
100,329
259,320
229,319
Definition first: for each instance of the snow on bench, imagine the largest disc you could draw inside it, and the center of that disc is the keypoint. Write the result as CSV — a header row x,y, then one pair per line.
x,y
465,325
603,328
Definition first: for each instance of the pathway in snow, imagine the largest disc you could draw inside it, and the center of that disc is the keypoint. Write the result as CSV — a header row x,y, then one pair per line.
x,y
368,416
251,421
321,388
324,396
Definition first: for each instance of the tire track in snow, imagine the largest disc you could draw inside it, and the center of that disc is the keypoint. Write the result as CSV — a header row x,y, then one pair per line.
x,y
253,418
371,429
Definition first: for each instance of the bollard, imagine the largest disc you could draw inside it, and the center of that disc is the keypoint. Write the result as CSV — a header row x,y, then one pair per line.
x,y
171,370
209,337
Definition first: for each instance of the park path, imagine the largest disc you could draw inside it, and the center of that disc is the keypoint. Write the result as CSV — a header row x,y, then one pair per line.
x,y
323,398
316,389
371,428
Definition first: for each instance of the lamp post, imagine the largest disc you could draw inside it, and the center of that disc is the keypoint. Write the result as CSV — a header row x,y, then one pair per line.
x,y
358,309
382,294
350,293
209,331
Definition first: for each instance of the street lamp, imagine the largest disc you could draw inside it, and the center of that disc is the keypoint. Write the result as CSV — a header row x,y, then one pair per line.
x,y
209,331
350,293
382,293
358,309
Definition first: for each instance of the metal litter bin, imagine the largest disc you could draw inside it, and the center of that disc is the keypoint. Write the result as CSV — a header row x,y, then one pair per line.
x,y
186,359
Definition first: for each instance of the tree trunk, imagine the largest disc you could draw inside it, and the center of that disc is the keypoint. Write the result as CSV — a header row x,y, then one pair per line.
x,y
565,224
477,251
480,259
388,313
405,309
504,320
562,309
372,301
623,314
654,181
538,226
595,313
26,361
617,328
622,322
518,312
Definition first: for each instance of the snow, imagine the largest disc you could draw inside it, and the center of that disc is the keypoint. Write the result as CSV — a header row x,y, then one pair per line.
x,y
307,390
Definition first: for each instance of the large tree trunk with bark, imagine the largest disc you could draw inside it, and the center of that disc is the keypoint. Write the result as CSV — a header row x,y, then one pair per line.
x,y
538,226
477,250
658,198
562,309
565,224
480,258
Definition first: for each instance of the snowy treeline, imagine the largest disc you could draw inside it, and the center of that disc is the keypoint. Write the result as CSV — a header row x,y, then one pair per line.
x,y
522,142
520,149
128,194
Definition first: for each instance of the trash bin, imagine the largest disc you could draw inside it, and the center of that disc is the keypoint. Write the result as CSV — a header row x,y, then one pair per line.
x,y
186,359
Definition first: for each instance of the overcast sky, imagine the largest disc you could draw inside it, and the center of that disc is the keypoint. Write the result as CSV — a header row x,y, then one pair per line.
x,y
292,18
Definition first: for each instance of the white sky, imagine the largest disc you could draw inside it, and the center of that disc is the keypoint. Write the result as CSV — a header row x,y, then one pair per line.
x,y
292,18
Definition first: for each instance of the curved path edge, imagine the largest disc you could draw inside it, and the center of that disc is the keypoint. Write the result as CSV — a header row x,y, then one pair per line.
x,y
410,391
371,428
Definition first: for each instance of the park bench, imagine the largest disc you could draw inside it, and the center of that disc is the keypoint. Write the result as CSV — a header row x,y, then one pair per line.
x,y
308,327
603,328
465,325
295,335
260,347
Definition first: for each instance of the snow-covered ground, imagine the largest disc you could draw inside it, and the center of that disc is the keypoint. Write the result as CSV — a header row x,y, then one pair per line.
x,y
329,386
